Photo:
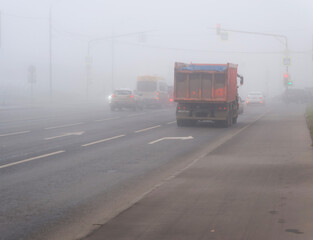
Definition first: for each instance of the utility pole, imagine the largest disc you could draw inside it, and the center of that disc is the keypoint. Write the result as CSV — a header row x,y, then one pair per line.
x,y
219,29
50,50
113,39
0,28
113,61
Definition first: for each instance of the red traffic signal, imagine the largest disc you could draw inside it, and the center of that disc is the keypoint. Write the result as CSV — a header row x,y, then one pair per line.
x,y
286,75
218,28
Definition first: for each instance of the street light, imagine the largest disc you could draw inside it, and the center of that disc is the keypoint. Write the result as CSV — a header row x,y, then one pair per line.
x,y
50,50
50,47
113,37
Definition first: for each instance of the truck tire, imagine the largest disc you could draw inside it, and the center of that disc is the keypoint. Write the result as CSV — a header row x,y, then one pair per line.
x,y
235,120
228,122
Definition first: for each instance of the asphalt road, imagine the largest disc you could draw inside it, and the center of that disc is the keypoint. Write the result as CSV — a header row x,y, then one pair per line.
x,y
66,171
256,185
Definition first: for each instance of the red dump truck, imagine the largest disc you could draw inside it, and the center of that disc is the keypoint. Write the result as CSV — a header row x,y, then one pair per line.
x,y
206,92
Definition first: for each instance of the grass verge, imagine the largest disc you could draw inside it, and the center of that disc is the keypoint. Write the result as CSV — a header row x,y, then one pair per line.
x,y
309,113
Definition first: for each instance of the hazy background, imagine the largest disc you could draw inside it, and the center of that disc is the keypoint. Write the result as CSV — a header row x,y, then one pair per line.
x,y
158,33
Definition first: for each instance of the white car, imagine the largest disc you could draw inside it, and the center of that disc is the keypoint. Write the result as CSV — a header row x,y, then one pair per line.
x,y
255,98
125,98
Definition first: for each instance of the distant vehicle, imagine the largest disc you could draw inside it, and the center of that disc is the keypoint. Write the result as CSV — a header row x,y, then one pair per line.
x,y
125,98
294,95
255,97
241,105
206,92
153,90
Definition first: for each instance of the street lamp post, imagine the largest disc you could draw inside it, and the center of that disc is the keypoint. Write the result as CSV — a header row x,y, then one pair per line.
x,y
50,50
219,29
88,58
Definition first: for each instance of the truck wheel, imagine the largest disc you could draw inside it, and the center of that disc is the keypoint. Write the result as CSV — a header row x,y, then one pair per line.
x,y
228,121
235,120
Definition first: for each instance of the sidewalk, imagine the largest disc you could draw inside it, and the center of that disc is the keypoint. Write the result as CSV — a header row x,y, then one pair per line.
x,y
256,186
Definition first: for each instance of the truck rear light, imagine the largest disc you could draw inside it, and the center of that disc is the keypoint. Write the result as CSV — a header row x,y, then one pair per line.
x,y
157,93
219,108
184,108
131,96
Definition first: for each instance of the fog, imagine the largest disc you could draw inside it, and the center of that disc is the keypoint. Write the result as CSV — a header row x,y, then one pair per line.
x,y
131,38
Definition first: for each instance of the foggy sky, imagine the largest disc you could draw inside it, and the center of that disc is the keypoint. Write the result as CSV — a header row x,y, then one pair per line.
x,y
175,30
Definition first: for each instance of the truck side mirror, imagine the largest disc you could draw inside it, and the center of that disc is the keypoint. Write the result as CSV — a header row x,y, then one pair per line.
x,y
241,81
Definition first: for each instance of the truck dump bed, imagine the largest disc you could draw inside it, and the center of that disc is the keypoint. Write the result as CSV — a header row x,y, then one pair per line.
x,y
205,82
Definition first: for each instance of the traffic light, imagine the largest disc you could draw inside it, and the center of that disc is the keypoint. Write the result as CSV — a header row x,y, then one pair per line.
x,y
218,29
287,80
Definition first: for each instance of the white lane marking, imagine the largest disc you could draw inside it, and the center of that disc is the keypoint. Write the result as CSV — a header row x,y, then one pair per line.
x,y
31,159
171,122
171,138
66,134
63,126
15,133
133,115
146,129
106,119
103,140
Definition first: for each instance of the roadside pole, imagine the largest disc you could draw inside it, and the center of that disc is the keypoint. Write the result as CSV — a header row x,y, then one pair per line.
x,y
31,80
113,38
220,32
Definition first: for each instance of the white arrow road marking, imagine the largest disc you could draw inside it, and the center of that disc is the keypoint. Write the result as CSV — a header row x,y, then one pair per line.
x,y
66,134
67,125
146,129
103,140
171,138
31,159
15,133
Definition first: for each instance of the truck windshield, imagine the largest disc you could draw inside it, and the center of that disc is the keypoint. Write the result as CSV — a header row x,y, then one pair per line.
x,y
146,86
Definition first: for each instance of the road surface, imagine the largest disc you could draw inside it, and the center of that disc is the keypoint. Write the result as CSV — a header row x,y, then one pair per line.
x,y
64,172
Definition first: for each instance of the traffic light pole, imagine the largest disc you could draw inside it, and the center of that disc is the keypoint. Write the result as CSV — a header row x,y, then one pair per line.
x,y
219,29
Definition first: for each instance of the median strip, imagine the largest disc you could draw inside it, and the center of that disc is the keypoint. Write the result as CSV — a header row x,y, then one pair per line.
x,y
15,133
101,141
146,129
31,159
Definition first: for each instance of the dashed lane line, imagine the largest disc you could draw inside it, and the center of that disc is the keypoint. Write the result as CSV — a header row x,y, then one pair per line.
x,y
14,133
133,115
31,159
63,126
171,122
103,140
146,129
106,119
